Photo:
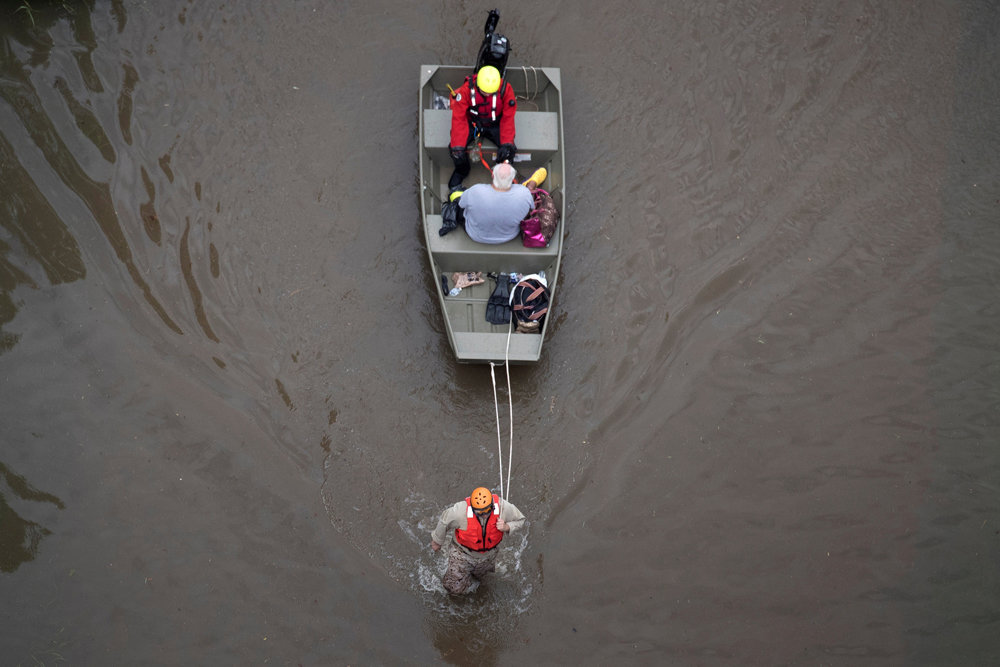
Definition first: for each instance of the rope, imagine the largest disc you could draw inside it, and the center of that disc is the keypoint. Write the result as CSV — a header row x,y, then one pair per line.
x,y
482,160
533,93
510,412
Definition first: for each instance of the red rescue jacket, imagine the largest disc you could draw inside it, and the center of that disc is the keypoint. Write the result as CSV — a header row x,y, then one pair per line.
x,y
470,104
472,537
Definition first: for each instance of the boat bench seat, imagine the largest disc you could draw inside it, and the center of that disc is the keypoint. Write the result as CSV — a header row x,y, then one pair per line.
x,y
537,136
455,251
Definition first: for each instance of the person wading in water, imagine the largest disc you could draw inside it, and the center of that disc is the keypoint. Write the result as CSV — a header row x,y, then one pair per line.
x,y
478,525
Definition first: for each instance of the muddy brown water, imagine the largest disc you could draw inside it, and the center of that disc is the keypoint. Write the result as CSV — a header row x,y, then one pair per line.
x,y
765,427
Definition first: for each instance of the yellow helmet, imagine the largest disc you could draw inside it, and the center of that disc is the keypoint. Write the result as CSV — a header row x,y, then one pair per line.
x,y
481,498
488,79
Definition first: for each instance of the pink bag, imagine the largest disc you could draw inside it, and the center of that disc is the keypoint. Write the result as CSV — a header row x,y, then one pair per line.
x,y
539,226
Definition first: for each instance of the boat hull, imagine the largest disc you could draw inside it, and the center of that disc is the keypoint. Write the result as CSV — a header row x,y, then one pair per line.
x,y
540,144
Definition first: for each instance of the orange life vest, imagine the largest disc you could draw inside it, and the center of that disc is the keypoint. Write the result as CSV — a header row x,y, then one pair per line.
x,y
473,536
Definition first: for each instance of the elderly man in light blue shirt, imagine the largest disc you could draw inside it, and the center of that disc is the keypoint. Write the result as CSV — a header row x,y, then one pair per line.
x,y
493,212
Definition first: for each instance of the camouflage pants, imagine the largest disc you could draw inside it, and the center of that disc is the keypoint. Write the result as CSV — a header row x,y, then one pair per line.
x,y
464,571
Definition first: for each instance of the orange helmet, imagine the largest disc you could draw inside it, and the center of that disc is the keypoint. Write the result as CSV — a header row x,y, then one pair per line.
x,y
481,498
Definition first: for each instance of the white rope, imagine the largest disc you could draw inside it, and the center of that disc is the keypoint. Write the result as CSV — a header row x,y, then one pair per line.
x,y
510,405
510,413
496,405
534,93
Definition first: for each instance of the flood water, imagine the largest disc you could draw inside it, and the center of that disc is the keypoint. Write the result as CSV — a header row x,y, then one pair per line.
x,y
765,426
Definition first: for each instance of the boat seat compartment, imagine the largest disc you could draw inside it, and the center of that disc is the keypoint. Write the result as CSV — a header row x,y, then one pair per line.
x,y
474,347
475,337
457,252
537,137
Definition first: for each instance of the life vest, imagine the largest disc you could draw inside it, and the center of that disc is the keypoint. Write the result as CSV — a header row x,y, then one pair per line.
x,y
472,537
485,111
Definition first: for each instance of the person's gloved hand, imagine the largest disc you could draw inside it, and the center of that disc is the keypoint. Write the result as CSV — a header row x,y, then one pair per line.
x,y
505,153
459,152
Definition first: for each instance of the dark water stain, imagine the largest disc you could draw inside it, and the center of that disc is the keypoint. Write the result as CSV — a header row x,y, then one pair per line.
x,y
147,210
192,284
18,92
87,122
19,537
130,79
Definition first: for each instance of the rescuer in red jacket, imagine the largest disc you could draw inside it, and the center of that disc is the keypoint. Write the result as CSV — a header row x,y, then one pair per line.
x,y
476,525
484,106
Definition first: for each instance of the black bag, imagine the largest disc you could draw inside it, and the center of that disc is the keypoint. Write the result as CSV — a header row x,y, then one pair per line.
x,y
450,213
529,304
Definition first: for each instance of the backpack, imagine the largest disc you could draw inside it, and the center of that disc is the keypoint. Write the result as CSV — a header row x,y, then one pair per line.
x,y
539,226
529,302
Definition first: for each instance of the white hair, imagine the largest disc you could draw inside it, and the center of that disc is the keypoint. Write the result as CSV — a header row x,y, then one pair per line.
x,y
503,176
